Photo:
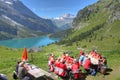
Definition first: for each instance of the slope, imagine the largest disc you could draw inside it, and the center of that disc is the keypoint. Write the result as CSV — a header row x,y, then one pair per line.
x,y
97,25
15,16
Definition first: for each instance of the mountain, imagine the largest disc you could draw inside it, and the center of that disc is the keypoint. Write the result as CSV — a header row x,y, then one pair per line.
x,y
64,21
17,20
97,25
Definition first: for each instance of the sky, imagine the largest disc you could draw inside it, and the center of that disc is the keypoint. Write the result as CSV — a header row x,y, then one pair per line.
x,y
55,8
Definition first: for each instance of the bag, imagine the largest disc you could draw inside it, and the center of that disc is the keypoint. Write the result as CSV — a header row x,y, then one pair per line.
x,y
93,73
15,75
3,77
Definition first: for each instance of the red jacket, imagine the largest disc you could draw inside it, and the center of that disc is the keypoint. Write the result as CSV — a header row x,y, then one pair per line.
x,y
70,60
75,67
75,70
51,60
87,64
56,67
62,69
57,64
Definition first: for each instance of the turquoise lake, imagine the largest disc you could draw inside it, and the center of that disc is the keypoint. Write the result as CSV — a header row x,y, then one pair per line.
x,y
28,42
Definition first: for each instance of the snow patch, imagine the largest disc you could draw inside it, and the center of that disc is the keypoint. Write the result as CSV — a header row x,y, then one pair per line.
x,y
65,16
7,2
10,21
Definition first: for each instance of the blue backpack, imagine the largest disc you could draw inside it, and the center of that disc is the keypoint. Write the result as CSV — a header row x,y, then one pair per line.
x,y
93,72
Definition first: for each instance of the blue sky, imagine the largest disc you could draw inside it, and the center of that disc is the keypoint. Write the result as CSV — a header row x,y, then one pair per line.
x,y
55,8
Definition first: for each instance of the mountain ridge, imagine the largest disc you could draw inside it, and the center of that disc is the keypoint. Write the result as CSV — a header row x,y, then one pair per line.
x,y
64,21
15,16
96,25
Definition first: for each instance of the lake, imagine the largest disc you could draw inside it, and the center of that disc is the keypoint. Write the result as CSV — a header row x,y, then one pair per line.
x,y
28,42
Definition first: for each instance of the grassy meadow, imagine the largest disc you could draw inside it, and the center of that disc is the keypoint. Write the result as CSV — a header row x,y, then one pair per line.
x,y
9,57
95,27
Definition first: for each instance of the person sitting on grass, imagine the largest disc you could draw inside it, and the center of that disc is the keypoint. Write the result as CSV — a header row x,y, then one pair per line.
x,y
87,65
62,69
75,70
56,66
15,73
81,59
51,62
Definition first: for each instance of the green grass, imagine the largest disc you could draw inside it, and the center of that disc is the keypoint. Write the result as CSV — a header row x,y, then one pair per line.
x,y
9,57
105,39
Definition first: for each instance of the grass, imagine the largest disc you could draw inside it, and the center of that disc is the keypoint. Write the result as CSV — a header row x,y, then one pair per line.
x,y
106,40
9,57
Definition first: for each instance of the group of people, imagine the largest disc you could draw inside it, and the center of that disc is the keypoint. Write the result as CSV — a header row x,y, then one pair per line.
x,y
68,66
93,62
64,66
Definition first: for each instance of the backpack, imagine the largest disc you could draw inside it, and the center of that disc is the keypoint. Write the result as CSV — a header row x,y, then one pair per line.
x,y
93,72
3,77
15,75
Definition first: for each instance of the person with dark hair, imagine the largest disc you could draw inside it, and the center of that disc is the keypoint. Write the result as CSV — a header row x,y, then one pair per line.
x,y
15,73
75,70
21,71
56,66
62,69
81,58
87,65
17,65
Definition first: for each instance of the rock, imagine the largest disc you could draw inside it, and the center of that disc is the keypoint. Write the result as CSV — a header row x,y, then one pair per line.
x,y
35,49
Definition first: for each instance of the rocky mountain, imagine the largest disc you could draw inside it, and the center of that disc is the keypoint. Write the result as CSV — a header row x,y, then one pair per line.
x,y
64,21
17,20
103,9
97,25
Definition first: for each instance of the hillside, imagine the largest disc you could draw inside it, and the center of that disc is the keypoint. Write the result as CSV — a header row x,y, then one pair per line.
x,y
17,20
97,26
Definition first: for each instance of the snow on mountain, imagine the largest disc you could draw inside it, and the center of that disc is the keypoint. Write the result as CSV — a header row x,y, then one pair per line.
x,y
65,16
14,13
64,21
7,2
9,20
